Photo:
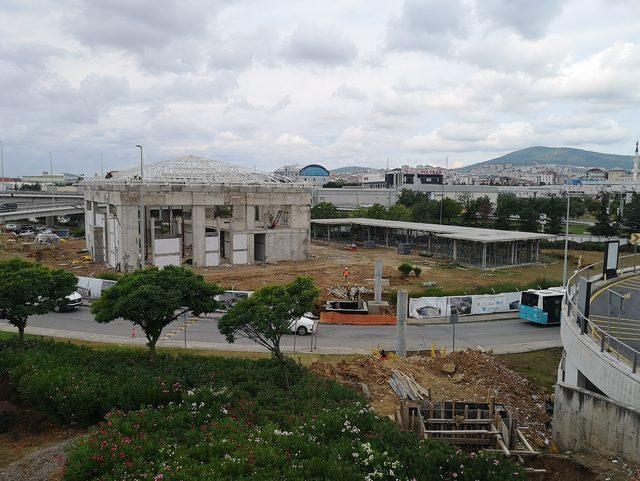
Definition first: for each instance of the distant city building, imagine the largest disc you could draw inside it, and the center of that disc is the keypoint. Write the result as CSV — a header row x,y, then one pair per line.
x,y
47,178
617,175
313,174
595,174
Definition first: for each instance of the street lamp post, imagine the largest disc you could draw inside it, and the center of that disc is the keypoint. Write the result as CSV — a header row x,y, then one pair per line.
x,y
142,214
53,192
566,238
442,189
2,164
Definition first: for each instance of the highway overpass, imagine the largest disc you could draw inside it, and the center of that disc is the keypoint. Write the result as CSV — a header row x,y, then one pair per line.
x,y
31,211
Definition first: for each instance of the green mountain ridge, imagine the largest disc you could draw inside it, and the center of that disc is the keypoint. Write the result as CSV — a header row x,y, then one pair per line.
x,y
559,156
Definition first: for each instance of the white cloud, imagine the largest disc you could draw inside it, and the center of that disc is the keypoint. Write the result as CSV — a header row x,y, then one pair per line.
x,y
327,82
319,45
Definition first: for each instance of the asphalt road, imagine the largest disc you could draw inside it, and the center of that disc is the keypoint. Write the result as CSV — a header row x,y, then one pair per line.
x,y
488,334
605,315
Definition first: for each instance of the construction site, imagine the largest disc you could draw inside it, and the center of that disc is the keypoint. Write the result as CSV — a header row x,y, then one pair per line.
x,y
195,211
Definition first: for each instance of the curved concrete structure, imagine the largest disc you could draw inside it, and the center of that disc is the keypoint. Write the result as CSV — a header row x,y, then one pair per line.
x,y
586,363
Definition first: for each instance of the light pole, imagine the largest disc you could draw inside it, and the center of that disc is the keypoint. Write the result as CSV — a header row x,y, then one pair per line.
x,y
566,238
2,164
142,213
442,190
53,192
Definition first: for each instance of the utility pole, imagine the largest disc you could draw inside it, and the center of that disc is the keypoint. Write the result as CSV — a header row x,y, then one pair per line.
x,y
142,213
566,238
53,192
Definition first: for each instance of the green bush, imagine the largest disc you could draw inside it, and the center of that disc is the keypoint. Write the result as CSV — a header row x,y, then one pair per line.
x,y
109,276
405,268
417,270
197,418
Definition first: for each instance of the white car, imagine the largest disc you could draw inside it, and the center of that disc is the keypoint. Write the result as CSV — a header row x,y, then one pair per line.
x,y
303,326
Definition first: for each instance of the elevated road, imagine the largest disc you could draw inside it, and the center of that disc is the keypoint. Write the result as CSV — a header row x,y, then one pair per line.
x,y
26,211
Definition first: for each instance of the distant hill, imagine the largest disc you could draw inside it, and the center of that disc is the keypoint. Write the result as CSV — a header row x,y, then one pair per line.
x,y
560,156
350,169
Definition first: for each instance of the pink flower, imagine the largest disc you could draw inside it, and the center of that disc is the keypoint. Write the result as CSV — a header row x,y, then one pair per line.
x,y
158,477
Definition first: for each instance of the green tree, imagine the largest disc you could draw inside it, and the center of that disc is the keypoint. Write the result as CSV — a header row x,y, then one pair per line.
x,y
450,209
529,219
409,197
399,212
603,226
632,213
377,211
324,210
554,225
27,288
152,298
484,207
267,315
426,211
332,184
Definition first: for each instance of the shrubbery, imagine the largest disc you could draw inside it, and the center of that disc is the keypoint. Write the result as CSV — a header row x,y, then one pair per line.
x,y
201,418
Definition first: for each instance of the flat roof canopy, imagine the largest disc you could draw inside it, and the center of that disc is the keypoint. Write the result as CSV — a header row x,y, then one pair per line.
x,y
446,231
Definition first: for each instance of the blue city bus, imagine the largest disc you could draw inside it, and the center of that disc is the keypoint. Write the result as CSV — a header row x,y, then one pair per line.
x,y
542,306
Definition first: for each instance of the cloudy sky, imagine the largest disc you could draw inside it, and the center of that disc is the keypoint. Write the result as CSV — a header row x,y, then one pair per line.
x,y
349,82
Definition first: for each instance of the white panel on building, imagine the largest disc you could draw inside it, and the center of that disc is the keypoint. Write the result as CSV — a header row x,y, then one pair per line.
x,y
212,250
240,242
166,252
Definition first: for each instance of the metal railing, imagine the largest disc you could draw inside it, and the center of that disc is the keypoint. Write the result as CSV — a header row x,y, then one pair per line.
x,y
608,343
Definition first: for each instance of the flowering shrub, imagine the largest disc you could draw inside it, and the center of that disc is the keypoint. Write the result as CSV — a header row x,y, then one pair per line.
x,y
202,418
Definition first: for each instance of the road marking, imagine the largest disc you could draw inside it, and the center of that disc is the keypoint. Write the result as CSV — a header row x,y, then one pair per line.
x,y
179,329
593,297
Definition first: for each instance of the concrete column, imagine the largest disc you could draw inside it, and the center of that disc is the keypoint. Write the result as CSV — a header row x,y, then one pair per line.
x,y
198,231
455,250
377,296
50,220
401,314
484,255
129,238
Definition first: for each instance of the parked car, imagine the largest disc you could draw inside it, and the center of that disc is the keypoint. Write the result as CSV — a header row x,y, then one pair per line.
x,y
70,303
303,326
11,227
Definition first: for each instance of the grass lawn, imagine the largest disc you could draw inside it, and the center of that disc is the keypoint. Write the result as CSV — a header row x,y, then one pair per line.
x,y
539,366
579,229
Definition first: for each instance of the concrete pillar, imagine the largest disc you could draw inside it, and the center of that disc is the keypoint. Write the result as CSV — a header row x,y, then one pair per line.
x,y
50,220
484,255
401,314
129,238
198,231
377,295
455,250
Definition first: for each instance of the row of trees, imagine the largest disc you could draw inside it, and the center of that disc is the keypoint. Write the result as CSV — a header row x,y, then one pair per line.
x,y
508,213
153,298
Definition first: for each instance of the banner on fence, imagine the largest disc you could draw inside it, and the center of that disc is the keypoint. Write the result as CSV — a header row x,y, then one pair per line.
x,y
426,307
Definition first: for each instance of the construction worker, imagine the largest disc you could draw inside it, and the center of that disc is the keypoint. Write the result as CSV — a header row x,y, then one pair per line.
x,y
345,274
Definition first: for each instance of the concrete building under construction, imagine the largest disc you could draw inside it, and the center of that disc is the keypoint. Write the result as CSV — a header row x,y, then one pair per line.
x,y
196,211
483,248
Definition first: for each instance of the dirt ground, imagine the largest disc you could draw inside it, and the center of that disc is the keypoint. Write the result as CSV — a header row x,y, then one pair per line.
x,y
476,375
325,266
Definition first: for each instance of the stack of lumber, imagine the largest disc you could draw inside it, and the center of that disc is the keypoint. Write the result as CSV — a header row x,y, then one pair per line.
x,y
406,387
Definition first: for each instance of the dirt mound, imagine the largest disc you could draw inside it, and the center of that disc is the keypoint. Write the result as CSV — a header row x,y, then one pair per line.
x,y
463,375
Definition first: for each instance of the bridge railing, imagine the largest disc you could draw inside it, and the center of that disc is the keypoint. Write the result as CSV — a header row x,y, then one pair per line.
x,y
609,343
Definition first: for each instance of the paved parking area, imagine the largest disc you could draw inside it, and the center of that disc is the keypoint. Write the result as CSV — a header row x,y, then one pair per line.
x,y
604,311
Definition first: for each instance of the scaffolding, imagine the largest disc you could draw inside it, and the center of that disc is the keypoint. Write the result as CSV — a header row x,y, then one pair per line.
x,y
194,171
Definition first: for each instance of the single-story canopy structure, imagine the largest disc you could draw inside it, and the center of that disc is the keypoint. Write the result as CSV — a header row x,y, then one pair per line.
x,y
483,248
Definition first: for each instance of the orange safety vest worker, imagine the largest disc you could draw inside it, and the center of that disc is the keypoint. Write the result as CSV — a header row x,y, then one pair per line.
x,y
346,273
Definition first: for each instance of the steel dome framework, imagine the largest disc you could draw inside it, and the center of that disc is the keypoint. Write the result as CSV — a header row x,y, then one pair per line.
x,y
195,171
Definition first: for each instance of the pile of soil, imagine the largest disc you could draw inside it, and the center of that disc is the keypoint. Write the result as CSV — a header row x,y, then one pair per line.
x,y
463,375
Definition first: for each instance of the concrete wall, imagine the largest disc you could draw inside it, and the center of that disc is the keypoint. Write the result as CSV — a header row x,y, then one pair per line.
x,y
166,252
584,421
